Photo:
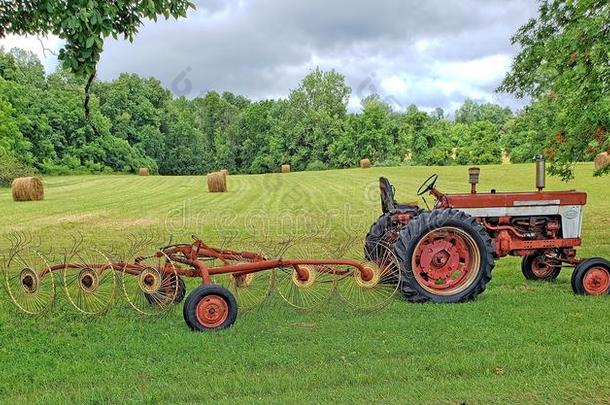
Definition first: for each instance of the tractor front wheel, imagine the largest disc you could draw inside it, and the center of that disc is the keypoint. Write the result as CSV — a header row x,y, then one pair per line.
x,y
446,257
592,277
539,268
210,307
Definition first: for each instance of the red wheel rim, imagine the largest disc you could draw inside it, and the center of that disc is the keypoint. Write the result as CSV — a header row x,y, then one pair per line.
x,y
540,268
446,260
212,311
596,281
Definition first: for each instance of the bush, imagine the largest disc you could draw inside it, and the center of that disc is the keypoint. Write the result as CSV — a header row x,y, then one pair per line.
x,y
315,166
390,162
11,168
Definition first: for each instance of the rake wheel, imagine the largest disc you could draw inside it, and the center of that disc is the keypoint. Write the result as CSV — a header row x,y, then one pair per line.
x,y
152,285
170,280
29,282
305,286
307,292
250,290
89,281
374,288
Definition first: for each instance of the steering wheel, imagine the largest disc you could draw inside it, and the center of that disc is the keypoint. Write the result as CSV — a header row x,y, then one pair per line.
x,y
428,185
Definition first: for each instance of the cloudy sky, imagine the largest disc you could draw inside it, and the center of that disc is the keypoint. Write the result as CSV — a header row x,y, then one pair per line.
x,y
425,52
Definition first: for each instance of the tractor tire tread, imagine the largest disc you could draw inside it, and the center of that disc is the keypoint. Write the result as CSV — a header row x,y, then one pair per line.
x,y
376,234
424,223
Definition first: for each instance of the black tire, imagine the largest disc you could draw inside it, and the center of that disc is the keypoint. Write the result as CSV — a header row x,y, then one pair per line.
x,y
529,268
379,232
581,286
209,291
421,226
178,298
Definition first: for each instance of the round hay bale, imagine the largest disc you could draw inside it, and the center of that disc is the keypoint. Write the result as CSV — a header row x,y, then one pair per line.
x,y
27,189
217,182
144,171
365,164
225,173
601,161
285,168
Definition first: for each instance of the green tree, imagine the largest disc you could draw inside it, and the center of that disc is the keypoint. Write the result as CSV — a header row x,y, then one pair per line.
x,y
135,107
314,117
12,141
527,134
217,119
437,114
374,135
22,67
261,144
470,112
419,141
564,57
184,144
439,144
480,145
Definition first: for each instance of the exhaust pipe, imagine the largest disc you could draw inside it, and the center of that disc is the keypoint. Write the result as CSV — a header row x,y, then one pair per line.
x,y
540,173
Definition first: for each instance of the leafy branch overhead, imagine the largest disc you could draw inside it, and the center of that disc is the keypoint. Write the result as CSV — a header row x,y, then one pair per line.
x,y
84,25
565,62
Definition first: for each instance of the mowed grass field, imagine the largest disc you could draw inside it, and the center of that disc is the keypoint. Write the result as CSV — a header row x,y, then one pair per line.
x,y
520,342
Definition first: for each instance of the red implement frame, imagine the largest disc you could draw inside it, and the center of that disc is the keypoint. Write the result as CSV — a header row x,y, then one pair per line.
x,y
193,259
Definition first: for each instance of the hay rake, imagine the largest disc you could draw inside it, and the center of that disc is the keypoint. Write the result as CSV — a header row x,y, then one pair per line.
x,y
152,281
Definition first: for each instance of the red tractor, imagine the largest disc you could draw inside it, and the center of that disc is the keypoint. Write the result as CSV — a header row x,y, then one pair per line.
x,y
447,254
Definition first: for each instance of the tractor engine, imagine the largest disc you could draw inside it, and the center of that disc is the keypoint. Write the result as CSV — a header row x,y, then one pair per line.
x,y
524,223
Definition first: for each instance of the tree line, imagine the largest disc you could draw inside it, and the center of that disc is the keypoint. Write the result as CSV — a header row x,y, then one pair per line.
x,y
562,67
142,124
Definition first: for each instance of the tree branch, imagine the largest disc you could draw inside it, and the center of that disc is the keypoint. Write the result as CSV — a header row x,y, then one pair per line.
x,y
96,131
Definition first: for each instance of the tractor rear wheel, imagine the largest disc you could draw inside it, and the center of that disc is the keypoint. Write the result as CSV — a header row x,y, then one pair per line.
x,y
210,307
381,231
592,277
446,256
537,267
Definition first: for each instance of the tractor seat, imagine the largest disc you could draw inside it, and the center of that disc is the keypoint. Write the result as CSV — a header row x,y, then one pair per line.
x,y
407,207
388,200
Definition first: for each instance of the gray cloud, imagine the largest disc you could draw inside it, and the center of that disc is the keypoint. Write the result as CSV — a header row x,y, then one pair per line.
x,y
430,53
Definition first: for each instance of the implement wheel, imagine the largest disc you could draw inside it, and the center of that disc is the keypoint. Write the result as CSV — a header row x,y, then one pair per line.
x,y
173,290
445,256
539,268
592,277
210,307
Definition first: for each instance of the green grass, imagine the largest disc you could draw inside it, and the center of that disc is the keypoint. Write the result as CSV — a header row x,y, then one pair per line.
x,y
519,342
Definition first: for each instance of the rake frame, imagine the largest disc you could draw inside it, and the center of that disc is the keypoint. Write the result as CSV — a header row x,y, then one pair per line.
x,y
195,255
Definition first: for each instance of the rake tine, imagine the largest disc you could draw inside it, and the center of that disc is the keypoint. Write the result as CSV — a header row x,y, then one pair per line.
x,y
25,280
374,288
88,278
250,290
304,286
